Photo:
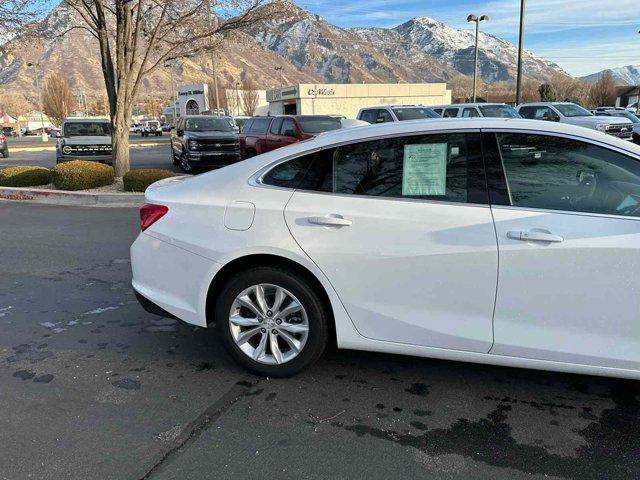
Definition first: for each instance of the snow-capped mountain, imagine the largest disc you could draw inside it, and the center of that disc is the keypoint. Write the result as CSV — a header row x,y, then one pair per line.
x,y
629,75
421,49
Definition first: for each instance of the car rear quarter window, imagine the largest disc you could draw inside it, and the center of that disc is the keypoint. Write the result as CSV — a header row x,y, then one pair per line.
x,y
556,173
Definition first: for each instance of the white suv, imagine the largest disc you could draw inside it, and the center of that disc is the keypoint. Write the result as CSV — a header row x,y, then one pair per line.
x,y
567,112
395,113
474,110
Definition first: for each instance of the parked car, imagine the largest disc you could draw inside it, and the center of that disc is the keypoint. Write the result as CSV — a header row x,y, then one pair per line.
x,y
622,113
395,113
166,127
151,127
9,132
263,134
134,128
4,146
204,141
567,112
85,139
382,236
472,110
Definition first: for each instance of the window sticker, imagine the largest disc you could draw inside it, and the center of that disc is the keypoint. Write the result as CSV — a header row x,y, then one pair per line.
x,y
425,169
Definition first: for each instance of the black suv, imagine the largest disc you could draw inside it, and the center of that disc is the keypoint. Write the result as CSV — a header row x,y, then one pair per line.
x,y
204,141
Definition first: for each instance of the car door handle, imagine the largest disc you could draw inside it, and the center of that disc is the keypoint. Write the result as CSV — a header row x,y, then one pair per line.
x,y
331,221
534,236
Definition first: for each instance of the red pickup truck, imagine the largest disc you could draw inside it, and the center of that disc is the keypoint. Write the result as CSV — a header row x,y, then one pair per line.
x,y
263,134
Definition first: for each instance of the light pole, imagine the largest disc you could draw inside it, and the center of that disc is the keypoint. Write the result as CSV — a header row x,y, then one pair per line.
x,y
39,88
279,69
523,6
175,92
476,20
238,98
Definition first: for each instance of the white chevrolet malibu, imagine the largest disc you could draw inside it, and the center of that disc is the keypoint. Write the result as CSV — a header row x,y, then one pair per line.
x,y
508,242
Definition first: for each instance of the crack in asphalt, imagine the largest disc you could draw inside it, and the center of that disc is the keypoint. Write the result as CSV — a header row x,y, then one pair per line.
x,y
207,418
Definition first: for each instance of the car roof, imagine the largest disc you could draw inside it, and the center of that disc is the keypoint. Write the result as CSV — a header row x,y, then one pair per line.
x,y
544,104
477,104
397,105
86,119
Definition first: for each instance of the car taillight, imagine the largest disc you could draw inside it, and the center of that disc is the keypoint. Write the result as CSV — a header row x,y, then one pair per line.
x,y
150,213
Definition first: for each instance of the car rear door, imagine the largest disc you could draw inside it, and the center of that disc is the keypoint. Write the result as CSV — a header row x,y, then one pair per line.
x,y
273,135
402,229
567,217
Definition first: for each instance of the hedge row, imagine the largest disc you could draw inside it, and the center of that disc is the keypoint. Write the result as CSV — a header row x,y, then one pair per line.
x,y
139,180
79,175
82,175
24,176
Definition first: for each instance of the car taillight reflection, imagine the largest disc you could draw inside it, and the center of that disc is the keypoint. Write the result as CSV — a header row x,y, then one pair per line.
x,y
150,213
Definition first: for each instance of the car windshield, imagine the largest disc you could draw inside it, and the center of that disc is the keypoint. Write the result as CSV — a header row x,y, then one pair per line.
x,y
499,111
318,124
414,113
626,114
83,129
154,124
572,110
207,125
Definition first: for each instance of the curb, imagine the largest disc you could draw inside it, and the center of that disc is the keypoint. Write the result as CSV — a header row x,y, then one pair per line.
x,y
78,199
52,148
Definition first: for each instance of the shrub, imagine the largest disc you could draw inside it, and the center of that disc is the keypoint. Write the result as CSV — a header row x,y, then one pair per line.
x,y
139,180
24,176
81,175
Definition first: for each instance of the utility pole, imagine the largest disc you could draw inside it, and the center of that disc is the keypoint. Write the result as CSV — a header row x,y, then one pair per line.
x,y
238,97
476,20
523,5
279,69
39,88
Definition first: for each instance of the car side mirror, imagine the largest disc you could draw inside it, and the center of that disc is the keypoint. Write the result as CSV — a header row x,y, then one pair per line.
x,y
289,133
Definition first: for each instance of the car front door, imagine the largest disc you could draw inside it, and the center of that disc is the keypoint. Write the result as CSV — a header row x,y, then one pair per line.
x,y
567,216
402,229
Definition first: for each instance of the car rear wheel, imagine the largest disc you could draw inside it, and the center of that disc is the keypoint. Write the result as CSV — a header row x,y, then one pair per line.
x,y
271,321
5,153
250,153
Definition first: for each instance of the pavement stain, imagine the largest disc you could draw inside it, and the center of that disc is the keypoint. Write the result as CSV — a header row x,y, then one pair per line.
x,y
24,374
127,383
612,442
418,389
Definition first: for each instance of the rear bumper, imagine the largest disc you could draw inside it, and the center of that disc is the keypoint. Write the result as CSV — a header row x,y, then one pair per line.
x,y
171,280
151,307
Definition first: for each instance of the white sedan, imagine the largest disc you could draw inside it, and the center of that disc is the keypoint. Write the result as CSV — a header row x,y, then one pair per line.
x,y
507,242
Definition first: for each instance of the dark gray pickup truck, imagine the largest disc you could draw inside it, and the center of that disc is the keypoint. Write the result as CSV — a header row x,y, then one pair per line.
x,y
203,141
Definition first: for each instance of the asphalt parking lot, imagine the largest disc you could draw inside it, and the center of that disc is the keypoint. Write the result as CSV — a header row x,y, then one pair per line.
x,y
145,154
93,387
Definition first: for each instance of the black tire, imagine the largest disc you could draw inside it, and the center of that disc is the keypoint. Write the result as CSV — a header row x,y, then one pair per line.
x,y
5,153
317,316
250,153
185,166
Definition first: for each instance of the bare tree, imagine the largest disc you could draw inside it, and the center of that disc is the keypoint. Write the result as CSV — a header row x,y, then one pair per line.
x,y
211,95
14,14
249,98
462,87
14,105
569,89
137,37
603,92
99,106
57,98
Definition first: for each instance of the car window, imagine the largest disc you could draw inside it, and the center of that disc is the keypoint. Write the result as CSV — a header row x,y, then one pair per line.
x,y
572,110
538,113
470,112
207,124
318,124
288,124
438,111
443,167
259,125
275,126
288,174
369,115
450,113
499,111
414,113
80,129
384,116
562,174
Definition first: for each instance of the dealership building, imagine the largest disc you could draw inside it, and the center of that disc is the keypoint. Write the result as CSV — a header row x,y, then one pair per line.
x,y
348,99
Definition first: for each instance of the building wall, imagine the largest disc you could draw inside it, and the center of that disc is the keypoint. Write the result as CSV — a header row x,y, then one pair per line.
x,y
348,99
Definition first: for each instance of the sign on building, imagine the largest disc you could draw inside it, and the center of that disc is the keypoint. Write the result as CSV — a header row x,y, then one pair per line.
x,y
193,99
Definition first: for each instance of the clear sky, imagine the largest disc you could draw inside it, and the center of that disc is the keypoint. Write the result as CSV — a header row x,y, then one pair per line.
x,y
582,36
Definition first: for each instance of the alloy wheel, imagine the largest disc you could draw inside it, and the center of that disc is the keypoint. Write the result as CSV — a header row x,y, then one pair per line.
x,y
268,324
